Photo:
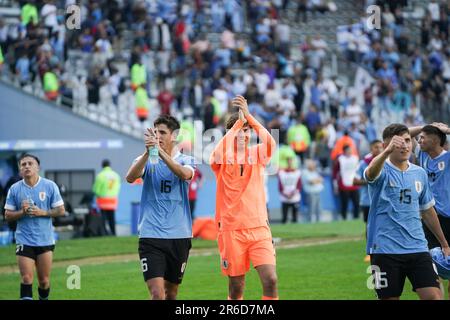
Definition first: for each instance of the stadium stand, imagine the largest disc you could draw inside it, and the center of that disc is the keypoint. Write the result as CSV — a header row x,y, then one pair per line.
x,y
310,62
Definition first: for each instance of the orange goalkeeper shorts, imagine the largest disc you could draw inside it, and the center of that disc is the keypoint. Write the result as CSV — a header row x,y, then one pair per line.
x,y
240,247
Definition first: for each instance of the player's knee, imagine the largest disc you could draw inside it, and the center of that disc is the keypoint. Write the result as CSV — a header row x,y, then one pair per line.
x,y
270,281
432,295
44,282
435,296
157,293
27,278
171,294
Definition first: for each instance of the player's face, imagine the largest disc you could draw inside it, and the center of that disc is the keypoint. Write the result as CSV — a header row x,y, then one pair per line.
x,y
28,167
166,139
376,149
243,136
403,154
426,142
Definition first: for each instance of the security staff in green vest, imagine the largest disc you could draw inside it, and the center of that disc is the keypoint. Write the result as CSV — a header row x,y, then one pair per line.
x,y
141,103
106,189
186,137
299,139
281,156
29,13
138,76
51,85
217,113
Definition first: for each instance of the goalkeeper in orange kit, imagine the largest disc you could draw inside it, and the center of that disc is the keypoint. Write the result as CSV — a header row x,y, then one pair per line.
x,y
241,213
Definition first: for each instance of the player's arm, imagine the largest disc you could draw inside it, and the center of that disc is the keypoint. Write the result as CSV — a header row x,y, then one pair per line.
x,y
182,172
11,214
431,220
359,182
53,213
414,131
266,139
14,215
137,168
373,171
442,126
225,145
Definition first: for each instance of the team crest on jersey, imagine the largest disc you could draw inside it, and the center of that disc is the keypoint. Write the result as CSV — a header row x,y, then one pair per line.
x,y
418,185
225,264
42,196
441,165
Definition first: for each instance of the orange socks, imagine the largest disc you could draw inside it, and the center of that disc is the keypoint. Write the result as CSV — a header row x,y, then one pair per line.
x,y
263,298
269,298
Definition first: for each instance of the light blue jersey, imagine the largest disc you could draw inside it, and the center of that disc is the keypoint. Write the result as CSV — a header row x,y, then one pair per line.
x,y
394,223
438,170
364,199
34,231
165,211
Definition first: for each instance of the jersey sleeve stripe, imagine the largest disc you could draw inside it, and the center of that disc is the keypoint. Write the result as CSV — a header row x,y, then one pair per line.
x,y
57,204
10,207
367,179
427,205
192,169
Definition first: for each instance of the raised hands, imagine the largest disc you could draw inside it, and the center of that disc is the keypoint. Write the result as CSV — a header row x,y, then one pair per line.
x,y
241,103
441,126
397,142
150,138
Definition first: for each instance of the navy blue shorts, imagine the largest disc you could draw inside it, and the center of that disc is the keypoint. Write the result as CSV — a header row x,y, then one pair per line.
x,y
32,252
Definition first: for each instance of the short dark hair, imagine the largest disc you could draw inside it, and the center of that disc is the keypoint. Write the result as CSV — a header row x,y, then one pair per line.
x,y
106,163
394,129
232,120
171,122
373,142
28,155
429,129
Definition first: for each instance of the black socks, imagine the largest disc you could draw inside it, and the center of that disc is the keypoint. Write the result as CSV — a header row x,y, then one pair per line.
x,y
43,293
26,291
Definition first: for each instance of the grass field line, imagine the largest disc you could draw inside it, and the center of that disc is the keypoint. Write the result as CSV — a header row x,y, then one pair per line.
x,y
98,260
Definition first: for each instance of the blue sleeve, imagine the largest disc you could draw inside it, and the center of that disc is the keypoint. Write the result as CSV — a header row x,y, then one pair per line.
x,y
11,200
426,200
378,179
188,161
56,199
145,171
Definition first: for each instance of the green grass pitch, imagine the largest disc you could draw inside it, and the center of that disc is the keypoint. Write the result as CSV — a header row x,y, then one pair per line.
x,y
314,272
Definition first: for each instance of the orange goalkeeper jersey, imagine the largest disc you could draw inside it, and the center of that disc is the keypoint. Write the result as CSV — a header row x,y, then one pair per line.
x,y
240,196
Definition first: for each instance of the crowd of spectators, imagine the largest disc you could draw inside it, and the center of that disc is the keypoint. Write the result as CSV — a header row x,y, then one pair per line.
x,y
172,58
408,65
